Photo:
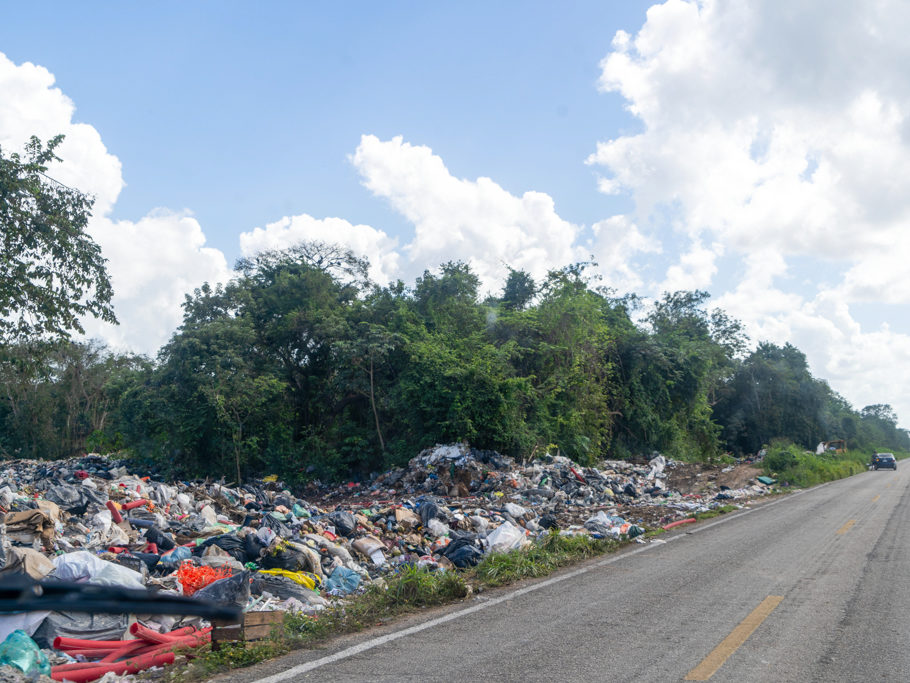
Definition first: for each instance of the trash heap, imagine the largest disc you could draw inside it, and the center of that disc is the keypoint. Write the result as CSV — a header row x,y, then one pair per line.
x,y
258,546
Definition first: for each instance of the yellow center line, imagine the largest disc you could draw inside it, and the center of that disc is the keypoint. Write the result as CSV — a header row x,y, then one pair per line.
x,y
846,527
731,643
876,498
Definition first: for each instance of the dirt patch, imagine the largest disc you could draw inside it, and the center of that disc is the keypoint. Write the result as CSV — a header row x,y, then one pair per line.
x,y
699,478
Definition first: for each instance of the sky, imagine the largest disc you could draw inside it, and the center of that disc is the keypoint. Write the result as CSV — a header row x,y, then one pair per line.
x,y
752,149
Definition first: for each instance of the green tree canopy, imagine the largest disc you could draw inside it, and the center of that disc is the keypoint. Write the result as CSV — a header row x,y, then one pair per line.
x,y
51,271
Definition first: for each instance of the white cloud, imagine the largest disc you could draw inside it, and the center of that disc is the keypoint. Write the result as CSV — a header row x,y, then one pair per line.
x,y
154,261
694,270
476,221
363,240
616,243
779,135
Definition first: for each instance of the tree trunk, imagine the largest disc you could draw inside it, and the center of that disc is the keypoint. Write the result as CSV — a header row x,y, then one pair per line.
x,y
373,404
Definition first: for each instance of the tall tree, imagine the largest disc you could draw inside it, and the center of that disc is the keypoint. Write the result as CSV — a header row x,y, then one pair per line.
x,y
51,271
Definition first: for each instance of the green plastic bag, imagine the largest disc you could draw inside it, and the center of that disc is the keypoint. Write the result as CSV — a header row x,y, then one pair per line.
x,y
22,652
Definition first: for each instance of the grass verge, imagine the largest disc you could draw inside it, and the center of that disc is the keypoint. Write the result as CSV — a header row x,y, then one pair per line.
x,y
790,464
407,591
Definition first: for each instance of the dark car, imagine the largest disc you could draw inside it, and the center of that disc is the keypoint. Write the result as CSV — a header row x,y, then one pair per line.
x,y
880,460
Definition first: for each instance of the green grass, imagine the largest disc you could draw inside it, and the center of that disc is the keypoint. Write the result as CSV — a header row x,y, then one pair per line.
x,y
498,569
409,590
708,514
790,464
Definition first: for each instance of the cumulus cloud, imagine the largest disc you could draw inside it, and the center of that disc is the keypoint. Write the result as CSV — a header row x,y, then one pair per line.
x,y
154,261
363,240
476,221
616,245
776,137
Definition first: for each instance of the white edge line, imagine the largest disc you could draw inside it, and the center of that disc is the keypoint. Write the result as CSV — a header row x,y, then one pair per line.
x,y
388,638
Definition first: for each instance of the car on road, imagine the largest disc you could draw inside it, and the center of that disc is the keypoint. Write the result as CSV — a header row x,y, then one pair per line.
x,y
880,460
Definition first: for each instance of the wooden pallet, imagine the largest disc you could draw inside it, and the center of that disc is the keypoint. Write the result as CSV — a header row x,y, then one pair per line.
x,y
252,626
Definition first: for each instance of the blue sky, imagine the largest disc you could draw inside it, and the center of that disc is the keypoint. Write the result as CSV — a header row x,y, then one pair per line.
x,y
729,146
248,113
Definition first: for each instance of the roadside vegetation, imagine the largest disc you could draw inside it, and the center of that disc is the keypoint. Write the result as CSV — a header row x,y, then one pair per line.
x,y
301,367
794,466
409,590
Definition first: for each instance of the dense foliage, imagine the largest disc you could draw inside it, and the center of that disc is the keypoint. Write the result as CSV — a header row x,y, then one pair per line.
x,y
301,366
51,271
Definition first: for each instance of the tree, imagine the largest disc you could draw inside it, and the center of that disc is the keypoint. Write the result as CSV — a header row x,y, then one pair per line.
x,y
51,271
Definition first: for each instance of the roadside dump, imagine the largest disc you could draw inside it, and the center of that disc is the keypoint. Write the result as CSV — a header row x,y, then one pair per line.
x,y
263,550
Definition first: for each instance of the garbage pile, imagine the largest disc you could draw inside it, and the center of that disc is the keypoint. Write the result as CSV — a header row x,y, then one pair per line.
x,y
260,547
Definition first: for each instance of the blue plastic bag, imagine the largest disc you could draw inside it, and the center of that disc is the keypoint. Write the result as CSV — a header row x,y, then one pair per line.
x,y
342,580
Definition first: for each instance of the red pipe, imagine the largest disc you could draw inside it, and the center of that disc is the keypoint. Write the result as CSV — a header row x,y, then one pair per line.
x,y
114,655
148,634
64,643
578,476
678,522
129,666
134,504
115,513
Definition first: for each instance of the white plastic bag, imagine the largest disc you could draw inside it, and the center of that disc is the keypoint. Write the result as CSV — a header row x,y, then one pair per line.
x,y
84,567
657,466
504,538
438,528
515,510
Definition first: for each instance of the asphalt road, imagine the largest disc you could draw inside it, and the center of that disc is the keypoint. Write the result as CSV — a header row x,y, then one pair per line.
x,y
813,586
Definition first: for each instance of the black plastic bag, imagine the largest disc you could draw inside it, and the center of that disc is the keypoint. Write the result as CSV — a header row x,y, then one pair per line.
x,y
428,510
548,521
344,522
252,547
229,543
164,541
462,553
75,499
234,590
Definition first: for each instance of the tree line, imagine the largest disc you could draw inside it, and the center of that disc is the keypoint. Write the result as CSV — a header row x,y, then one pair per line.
x,y
303,367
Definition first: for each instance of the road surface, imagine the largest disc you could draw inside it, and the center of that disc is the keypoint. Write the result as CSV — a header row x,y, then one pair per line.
x,y
813,586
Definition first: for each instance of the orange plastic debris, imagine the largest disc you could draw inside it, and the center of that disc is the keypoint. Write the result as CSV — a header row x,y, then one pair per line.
x,y
192,578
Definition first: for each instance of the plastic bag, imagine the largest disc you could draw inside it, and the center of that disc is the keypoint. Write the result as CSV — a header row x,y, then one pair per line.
x,y
342,580
303,578
22,652
344,522
155,535
428,510
176,556
514,510
657,464
84,567
82,626
283,587
232,590
462,553
437,528
74,499
504,538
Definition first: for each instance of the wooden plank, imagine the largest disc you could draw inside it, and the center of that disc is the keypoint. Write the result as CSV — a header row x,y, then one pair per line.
x,y
257,618
223,622
227,633
257,632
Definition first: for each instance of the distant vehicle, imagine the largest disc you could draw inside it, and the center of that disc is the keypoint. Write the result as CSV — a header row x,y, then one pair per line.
x,y
880,460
